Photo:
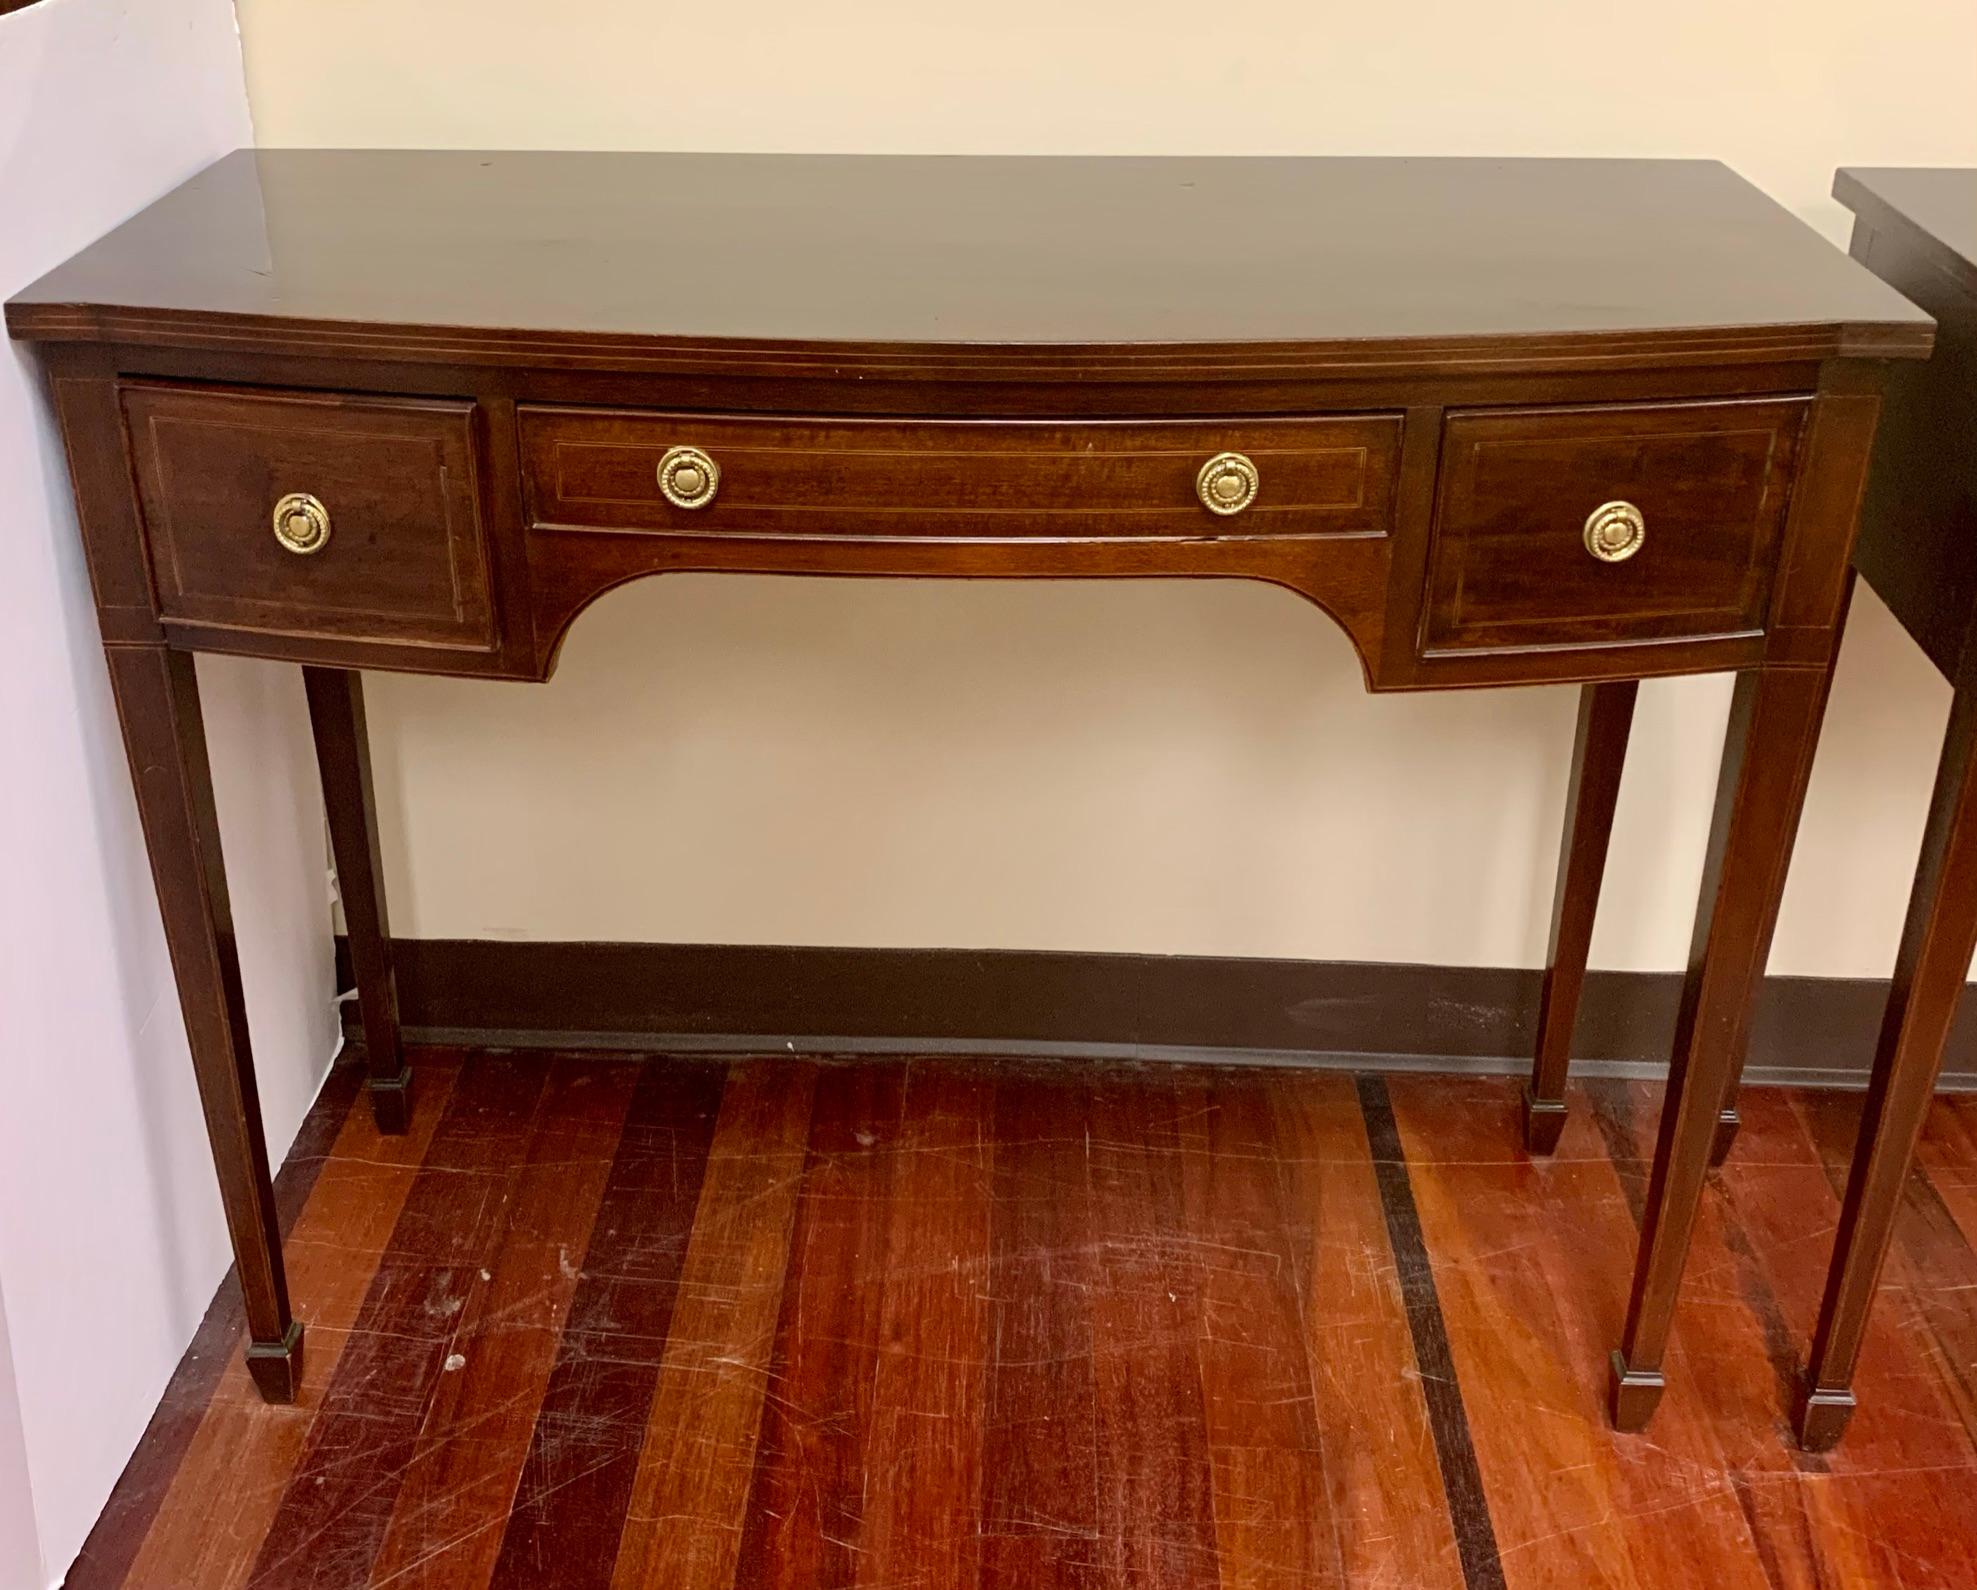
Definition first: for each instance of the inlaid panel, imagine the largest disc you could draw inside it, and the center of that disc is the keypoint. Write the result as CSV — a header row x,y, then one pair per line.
x,y
600,469
306,513
1575,527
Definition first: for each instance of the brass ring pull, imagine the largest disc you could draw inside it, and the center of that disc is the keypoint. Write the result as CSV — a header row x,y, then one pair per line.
x,y
1227,483
302,523
688,478
1615,531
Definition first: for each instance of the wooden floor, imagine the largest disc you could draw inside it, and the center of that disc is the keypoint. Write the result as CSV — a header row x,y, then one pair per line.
x,y
947,1324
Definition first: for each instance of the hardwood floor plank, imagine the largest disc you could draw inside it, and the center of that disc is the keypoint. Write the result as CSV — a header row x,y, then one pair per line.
x,y
1156,1489
1273,1516
1381,1468
1948,1157
1448,1418
683,1527
1763,1240
913,1325
362,1440
1924,1328
107,1555
1039,1522
1745,1316
1905,1529
234,1474
1777,1208
808,1501
1915,1376
923,1462
1740,1332
570,1502
1529,1263
446,1527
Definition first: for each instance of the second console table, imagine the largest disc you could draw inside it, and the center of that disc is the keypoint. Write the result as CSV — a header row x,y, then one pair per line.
x,y
1918,549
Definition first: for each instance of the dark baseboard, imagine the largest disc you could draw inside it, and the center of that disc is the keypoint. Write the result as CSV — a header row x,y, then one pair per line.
x,y
736,998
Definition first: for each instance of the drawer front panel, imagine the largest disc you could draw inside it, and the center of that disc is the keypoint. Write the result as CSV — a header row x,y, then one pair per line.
x,y
404,560
1510,565
593,469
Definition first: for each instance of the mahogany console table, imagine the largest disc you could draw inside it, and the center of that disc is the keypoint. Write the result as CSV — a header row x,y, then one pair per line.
x,y
1918,548
1503,422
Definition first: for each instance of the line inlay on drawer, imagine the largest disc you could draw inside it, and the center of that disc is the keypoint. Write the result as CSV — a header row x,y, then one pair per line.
x,y
1600,526
306,513
590,470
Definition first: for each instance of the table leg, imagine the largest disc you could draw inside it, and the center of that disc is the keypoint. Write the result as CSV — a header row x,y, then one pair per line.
x,y
157,699
1938,939
343,752
1767,761
1599,751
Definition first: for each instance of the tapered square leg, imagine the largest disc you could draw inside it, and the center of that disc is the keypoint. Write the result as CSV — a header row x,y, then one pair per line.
x,y
1767,757
343,755
1938,939
1599,751
157,695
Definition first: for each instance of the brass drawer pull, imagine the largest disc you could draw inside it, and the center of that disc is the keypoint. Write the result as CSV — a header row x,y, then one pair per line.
x,y
1615,531
1227,483
302,523
688,477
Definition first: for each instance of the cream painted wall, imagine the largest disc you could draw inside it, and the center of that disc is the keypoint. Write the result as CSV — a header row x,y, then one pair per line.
x,y
1135,767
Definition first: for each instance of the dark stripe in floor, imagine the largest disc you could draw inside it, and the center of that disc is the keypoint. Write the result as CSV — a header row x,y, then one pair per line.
x,y
1462,1477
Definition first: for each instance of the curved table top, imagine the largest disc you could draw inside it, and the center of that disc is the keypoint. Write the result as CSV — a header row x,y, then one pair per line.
x,y
1316,263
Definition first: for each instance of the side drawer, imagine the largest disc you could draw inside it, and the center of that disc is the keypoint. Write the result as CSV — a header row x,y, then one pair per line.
x,y
599,469
1695,497
377,498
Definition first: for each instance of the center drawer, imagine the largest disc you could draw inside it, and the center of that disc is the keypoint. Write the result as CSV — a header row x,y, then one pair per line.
x,y
945,480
